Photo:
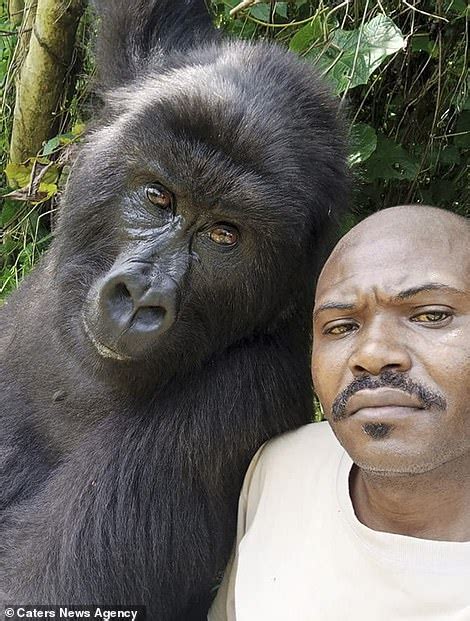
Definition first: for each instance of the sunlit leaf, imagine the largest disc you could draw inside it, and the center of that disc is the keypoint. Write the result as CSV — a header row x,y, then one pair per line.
x,y
18,175
353,55
363,142
47,191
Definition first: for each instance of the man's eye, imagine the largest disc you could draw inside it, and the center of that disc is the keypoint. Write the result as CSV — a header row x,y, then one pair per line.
x,y
340,329
436,316
159,196
224,235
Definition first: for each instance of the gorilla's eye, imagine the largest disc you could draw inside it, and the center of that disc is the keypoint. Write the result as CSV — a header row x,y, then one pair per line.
x,y
224,234
159,196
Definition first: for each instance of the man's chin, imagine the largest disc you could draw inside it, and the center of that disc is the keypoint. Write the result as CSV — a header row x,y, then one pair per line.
x,y
384,450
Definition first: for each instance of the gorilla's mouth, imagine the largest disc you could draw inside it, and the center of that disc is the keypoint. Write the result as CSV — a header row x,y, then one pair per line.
x,y
103,350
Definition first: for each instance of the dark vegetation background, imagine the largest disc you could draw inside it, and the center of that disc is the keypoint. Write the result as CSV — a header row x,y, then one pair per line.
x,y
400,67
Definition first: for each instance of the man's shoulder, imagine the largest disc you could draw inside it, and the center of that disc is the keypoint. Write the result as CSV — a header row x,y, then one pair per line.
x,y
298,468
305,448
317,436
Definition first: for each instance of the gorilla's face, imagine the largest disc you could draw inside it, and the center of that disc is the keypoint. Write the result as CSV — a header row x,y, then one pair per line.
x,y
190,220
195,244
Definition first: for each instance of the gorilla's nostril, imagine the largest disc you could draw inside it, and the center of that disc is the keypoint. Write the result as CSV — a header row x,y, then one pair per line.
x,y
148,318
119,301
121,293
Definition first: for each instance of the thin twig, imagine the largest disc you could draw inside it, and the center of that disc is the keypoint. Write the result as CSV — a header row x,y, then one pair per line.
x,y
413,8
242,6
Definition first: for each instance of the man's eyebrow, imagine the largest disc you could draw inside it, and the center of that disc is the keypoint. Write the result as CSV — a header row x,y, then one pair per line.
x,y
403,295
333,306
431,286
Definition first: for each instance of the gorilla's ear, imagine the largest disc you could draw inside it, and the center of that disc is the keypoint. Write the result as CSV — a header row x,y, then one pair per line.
x,y
136,35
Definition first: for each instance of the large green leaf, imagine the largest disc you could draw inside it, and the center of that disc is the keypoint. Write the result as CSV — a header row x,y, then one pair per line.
x,y
281,9
352,56
363,142
306,36
390,161
18,175
261,12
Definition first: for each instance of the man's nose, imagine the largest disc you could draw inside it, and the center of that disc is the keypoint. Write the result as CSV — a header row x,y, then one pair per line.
x,y
379,349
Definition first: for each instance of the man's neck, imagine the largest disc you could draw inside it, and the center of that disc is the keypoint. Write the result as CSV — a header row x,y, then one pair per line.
x,y
434,505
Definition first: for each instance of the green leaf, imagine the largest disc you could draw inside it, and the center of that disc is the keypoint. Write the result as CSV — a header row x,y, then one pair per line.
x,y
421,42
261,12
450,155
462,128
390,161
51,175
7,246
353,55
48,188
363,142
78,129
306,36
458,7
9,211
51,145
281,9
18,175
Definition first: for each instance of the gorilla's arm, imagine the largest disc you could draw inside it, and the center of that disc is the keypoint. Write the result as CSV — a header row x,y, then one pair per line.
x,y
116,505
136,35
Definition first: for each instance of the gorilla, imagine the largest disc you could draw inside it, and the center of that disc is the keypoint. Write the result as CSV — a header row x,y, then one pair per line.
x,y
166,333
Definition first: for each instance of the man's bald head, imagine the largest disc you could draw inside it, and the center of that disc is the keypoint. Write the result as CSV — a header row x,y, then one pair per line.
x,y
420,225
391,354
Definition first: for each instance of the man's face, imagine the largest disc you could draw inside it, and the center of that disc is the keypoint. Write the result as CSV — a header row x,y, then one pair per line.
x,y
391,359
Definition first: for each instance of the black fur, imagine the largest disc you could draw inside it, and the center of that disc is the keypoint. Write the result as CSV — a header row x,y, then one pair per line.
x,y
119,480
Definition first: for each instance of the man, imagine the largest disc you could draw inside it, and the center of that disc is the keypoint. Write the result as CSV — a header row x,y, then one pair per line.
x,y
375,527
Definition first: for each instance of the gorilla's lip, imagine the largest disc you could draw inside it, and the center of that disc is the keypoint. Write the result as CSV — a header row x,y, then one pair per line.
x,y
103,350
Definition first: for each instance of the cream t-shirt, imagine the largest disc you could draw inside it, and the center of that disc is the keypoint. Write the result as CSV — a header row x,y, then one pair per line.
x,y
302,555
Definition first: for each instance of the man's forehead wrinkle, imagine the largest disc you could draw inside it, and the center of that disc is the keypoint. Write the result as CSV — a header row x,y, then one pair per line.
x,y
399,285
419,235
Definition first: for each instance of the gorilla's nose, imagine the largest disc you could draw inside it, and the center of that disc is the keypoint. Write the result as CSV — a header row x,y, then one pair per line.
x,y
129,311
135,305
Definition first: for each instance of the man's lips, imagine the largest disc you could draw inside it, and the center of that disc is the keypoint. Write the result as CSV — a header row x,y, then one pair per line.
x,y
381,398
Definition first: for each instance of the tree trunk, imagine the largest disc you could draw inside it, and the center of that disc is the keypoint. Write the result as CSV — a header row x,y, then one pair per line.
x,y
25,24
15,11
42,75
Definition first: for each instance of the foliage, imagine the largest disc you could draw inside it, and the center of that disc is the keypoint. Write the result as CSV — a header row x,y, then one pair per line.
x,y
400,69
31,190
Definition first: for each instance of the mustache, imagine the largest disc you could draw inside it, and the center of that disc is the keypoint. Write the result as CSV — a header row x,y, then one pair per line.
x,y
388,379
